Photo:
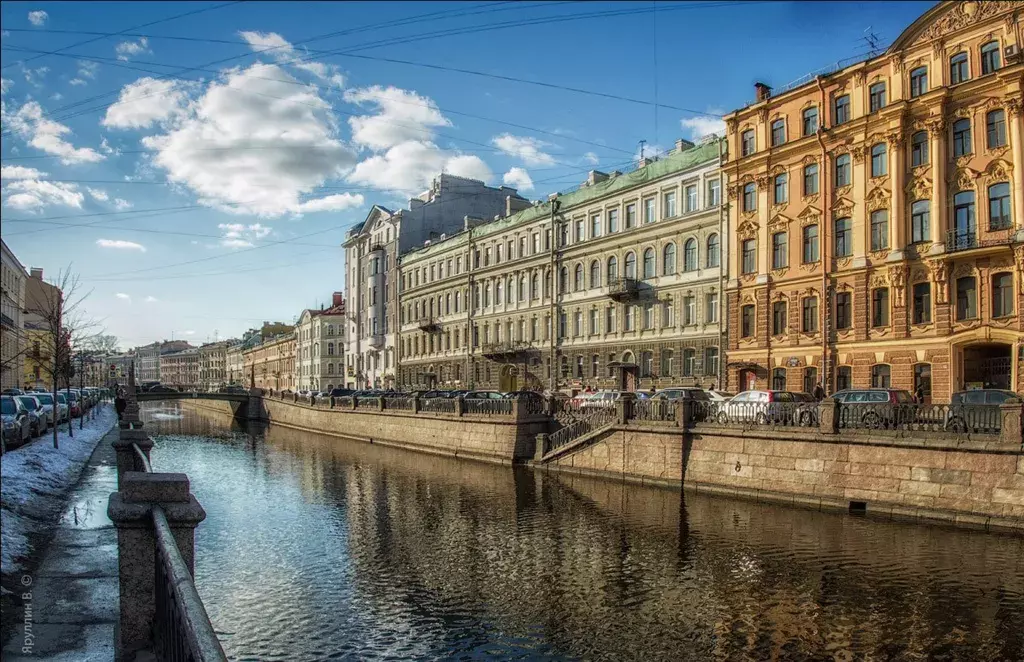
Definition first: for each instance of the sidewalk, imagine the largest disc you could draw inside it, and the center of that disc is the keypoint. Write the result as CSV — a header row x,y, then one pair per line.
x,y
74,594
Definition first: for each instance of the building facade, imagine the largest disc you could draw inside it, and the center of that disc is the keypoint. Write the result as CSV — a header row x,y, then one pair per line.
x,y
373,247
234,364
213,359
147,358
181,369
271,362
614,285
12,327
320,347
878,216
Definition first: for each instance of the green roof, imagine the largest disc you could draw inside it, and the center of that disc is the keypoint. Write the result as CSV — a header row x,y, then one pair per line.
x,y
663,167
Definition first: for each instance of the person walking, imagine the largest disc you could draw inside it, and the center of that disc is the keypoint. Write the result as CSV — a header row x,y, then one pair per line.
x,y
120,404
819,392
919,395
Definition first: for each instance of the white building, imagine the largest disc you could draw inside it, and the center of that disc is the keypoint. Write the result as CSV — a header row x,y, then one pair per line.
x,y
320,347
12,332
371,252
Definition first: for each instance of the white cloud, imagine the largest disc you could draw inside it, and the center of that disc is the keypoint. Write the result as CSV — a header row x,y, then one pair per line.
x,y
20,172
123,297
254,143
34,194
5,84
151,299
145,102
703,125
47,135
31,74
284,52
336,202
410,166
78,81
38,17
525,148
518,178
402,115
120,244
120,204
240,235
591,158
129,49
88,69
97,194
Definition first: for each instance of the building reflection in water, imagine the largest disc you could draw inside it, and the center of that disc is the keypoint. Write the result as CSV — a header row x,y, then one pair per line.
x,y
317,547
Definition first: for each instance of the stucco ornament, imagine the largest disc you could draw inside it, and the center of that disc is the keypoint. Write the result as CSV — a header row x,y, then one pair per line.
x,y
919,188
940,273
878,199
964,15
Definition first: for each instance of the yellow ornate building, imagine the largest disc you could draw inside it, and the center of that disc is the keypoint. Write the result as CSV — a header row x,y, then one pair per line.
x,y
877,216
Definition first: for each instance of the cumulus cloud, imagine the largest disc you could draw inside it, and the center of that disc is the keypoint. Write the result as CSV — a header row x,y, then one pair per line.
x,y
20,172
120,204
123,297
37,18
401,115
410,166
97,194
240,235
129,49
146,102
87,69
78,81
34,194
151,299
518,178
703,125
255,143
530,150
120,244
337,202
591,158
5,84
284,52
47,135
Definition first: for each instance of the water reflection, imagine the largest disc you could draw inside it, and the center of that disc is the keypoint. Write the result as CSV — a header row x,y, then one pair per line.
x,y
318,548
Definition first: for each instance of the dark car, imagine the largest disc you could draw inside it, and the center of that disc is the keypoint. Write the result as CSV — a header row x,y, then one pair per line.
x,y
341,392
977,410
16,422
160,388
237,390
876,407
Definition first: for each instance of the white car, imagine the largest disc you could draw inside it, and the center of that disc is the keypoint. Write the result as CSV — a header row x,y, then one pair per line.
x,y
761,407
61,413
601,400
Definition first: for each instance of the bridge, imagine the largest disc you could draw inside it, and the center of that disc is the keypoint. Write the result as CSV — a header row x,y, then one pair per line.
x,y
190,395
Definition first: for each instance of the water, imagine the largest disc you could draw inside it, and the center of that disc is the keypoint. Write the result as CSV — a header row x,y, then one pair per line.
x,y
317,548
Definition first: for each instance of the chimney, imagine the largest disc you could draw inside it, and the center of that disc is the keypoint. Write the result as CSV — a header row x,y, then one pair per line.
x,y
762,91
682,145
337,299
595,177
36,273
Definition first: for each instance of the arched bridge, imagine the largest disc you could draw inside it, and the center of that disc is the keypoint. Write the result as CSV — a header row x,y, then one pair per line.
x,y
189,395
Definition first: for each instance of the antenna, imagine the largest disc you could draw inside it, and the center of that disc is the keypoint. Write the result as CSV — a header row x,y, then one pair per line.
x,y
643,144
872,41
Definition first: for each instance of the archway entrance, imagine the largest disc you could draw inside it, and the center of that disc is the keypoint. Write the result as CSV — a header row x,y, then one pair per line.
x,y
627,372
508,379
984,365
748,379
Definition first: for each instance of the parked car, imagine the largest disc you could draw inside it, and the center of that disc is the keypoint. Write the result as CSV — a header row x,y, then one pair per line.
x,y
13,391
43,414
602,400
761,407
341,392
682,393
978,409
876,407
481,395
17,426
63,402
58,411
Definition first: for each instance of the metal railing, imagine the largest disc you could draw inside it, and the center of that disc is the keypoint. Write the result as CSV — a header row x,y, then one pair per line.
x,y
400,403
622,289
775,414
958,418
438,405
343,402
652,410
367,403
963,240
488,406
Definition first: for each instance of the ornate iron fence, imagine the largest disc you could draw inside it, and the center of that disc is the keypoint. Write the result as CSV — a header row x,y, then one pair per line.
x,y
961,419
343,402
488,406
438,405
398,403
773,414
653,410
367,403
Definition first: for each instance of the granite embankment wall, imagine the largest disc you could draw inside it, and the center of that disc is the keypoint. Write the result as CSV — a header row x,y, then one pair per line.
x,y
963,481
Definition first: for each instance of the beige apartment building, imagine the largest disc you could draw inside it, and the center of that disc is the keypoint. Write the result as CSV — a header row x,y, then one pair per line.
x,y
320,346
272,362
181,369
616,284
878,216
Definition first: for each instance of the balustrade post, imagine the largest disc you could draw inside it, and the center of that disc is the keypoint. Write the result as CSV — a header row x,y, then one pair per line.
x,y
621,411
518,410
1011,414
416,403
828,416
127,460
355,403
131,512
380,403
460,406
683,414
541,449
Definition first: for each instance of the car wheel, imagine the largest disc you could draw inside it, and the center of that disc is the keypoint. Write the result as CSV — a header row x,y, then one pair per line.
x,y
872,420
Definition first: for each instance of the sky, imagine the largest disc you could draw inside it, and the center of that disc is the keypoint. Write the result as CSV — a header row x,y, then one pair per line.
x,y
197,164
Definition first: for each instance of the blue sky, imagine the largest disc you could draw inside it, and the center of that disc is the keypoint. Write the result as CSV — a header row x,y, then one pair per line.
x,y
202,184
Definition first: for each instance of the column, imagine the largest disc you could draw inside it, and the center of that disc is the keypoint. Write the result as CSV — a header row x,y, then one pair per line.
x,y
1015,117
860,219
936,132
897,204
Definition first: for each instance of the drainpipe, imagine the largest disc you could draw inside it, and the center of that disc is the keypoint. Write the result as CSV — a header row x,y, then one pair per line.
x,y
824,186
552,377
770,312
470,302
723,256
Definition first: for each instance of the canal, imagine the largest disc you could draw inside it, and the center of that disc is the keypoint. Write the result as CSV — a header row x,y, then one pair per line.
x,y
316,548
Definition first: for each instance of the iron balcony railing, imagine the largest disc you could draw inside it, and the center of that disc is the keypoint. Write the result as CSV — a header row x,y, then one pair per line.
x,y
961,240
428,324
505,349
623,289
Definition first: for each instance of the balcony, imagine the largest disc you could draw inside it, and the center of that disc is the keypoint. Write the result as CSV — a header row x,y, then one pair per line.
x,y
507,350
376,340
428,324
959,240
623,289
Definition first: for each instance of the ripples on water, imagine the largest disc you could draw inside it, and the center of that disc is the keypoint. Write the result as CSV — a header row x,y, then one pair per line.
x,y
317,548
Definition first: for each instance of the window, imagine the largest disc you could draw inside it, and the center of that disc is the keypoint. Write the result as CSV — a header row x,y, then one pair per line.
x,y
920,212
958,72
844,310
609,320
689,310
649,264
781,189
581,231
668,266
918,81
880,307
923,380
880,376
666,362
964,222
989,57
810,379
779,379
631,265
1002,295
714,252
613,268
689,255
749,256
691,198
747,144
843,170
966,298
810,121
922,313
879,230
497,292
595,362
844,377
879,160
810,244
669,208
564,233
714,197
577,326
535,287
811,179
778,132
843,237
668,314
747,321
628,323
750,197
919,148
578,284
995,128
711,308
563,324
595,226
809,319
563,280
631,216
841,110
648,320
962,137
613,220
595,274
780,250
711,361
876,97
779,318
649,211
999,207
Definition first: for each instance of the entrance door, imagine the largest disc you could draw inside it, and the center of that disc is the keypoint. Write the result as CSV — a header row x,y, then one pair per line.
x,y
628,381
748,380
986,366
508,379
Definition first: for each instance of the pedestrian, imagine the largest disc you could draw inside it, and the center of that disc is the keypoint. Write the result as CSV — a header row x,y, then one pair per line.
x,y
919,395
819,392
120,404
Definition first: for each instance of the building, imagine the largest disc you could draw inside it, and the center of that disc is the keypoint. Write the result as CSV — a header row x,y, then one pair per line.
x,y
271,362
235,364
320,347
181,369
213,359
878,216
373,246
38,352
12,305
147,358
614,285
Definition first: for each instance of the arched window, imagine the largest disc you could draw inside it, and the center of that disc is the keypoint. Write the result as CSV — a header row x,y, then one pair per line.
x,y
487,295
535,286
447,304
879,160
595,274
778,132
563,280
918,81
962,137
578,279
690,254
330,349
714,251
989,57
649,263
522,288
958,71
995,128
919,148
631,265
511,291
920,221
1002,295
613,268
497,292
646,364
750,197
330,368
458,300
668,266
